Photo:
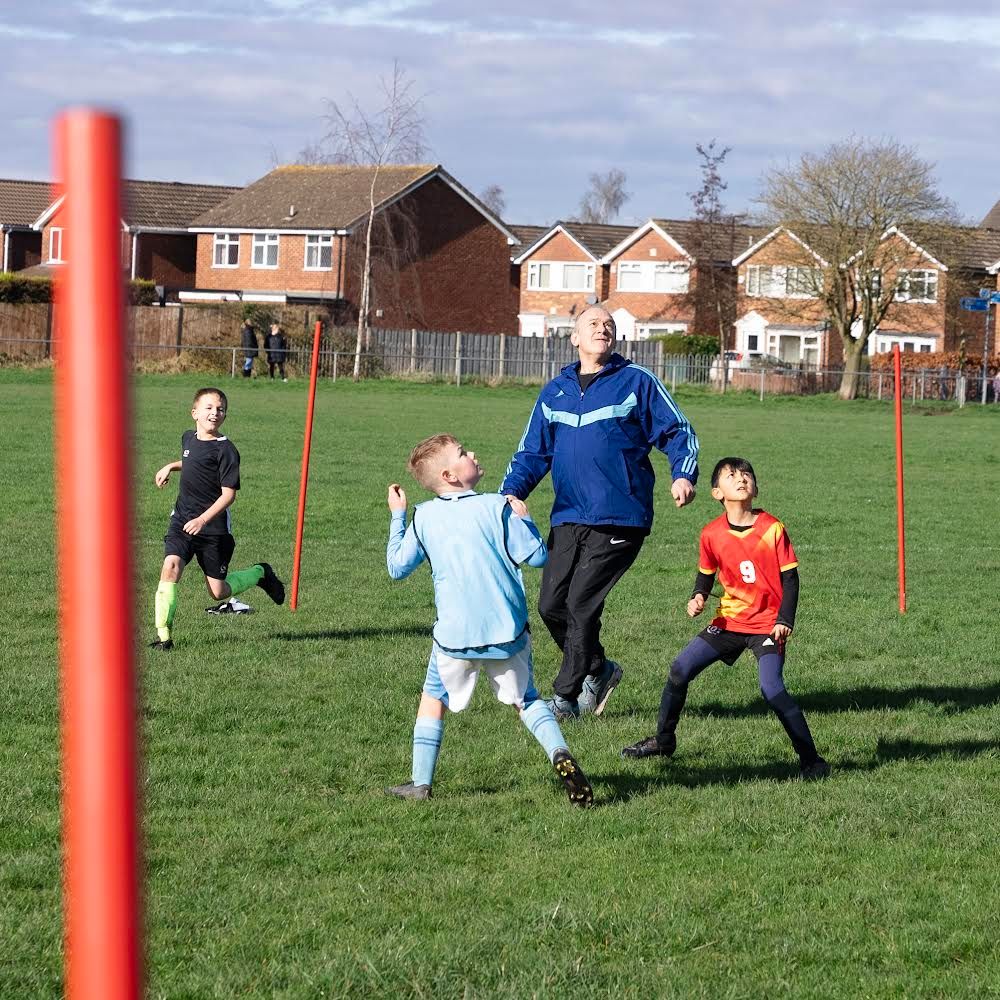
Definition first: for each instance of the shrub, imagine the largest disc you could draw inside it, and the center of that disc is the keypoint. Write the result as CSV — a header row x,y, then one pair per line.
x,y
16,288
688,343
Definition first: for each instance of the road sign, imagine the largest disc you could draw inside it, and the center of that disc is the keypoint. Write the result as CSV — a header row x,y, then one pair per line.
x,y
989,293
974,305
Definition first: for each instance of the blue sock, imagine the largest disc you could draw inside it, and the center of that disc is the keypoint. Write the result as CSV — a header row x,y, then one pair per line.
x,y
427,734
542,725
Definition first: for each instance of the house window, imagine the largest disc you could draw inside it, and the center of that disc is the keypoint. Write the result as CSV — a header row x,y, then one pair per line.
x,y
670,278
265,250
55,245
752,341
917,286
319,253
779,282
644,331
539,275
803,282
226,250
561,277
629,276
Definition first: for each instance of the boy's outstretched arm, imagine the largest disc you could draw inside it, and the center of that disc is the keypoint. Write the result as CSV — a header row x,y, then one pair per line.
x,y
404,553
162,475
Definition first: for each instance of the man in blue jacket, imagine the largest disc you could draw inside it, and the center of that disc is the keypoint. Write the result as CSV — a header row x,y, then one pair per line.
x,y
593,426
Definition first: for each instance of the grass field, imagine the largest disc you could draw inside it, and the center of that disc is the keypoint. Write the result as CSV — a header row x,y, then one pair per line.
x,y
277,868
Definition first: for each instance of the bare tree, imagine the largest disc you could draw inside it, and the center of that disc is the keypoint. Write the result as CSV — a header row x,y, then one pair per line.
x,y
391,133
494,199
713,244
605,197
847,204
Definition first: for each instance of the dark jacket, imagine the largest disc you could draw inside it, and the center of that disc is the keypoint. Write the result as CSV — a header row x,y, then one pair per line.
x,y
248,341
276,347
596,444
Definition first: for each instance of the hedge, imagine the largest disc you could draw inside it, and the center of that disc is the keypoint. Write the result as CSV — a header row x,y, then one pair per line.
x,y
16,288
687,343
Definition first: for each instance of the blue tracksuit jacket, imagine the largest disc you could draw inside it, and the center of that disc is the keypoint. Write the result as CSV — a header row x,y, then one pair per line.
x,y
597,445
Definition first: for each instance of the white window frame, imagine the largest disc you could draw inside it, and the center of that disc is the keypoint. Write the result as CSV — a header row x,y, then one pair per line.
x,y
929,277
264,242
917,343
813,282
647,270
682,276
772,281
318,242
556,276
225,241
56,245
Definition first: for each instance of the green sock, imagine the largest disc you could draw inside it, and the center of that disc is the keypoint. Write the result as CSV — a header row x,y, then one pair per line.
x,y
243,579
165,605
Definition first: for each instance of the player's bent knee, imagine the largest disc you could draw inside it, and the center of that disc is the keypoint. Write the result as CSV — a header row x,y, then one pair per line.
x,y
219,589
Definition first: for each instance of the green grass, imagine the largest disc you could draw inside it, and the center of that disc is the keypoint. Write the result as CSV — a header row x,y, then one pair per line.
x,y
275,866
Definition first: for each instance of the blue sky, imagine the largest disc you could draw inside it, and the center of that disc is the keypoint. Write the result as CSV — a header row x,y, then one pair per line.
x,y
534,98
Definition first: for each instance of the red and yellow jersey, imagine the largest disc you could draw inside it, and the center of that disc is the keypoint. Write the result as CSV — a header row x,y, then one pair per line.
x,y
749,564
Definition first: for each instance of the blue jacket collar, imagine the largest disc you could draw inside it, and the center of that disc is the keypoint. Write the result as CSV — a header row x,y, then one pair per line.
x,y
615,362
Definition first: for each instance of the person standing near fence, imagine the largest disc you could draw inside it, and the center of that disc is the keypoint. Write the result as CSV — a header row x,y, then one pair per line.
x,y
248,341
276,348
593,427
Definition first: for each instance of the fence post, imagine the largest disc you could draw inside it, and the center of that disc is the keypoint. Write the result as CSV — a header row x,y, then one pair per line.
x,y
413,350
879,385
673,378
503,345
960,390
232,374
545,352
661,365
923,373
334,366
180,329
48,330
458,358
762,374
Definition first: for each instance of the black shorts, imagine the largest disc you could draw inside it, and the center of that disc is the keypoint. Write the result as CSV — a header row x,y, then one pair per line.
x,y
730,645
213,552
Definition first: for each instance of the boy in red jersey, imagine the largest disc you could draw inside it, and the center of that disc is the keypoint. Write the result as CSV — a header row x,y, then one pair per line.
x,y
757,568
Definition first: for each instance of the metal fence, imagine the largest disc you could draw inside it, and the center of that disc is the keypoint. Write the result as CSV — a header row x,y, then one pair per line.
x,y
495,359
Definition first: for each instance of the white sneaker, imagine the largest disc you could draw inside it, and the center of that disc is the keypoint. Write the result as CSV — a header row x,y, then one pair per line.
x,y
230,607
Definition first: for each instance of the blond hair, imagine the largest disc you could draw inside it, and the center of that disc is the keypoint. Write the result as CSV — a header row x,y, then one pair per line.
x,y
424,464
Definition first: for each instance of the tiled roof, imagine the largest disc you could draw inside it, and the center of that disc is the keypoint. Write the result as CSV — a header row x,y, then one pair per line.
x,y
973,248
170,204
724,241
526,235
311,197
597,237
21,202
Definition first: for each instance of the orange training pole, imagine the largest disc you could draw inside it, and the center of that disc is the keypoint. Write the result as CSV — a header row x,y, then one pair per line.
x,y
900,528
304,482
93,424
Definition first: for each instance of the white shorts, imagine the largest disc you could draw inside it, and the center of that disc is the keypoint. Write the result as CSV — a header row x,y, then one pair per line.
x,y
452,681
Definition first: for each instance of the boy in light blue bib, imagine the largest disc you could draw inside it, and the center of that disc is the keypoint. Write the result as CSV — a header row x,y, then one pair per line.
x,y
475,544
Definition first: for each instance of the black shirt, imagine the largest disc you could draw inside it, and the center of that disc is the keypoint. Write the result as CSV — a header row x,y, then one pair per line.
x,y
206,466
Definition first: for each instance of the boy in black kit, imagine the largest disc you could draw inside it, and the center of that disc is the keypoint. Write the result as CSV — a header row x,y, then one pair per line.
x,y
199,523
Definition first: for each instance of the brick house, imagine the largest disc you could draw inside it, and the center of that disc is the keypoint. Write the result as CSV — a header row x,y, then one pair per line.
x,y
441,259
156,244
649,283
780,314
560,273
21,202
